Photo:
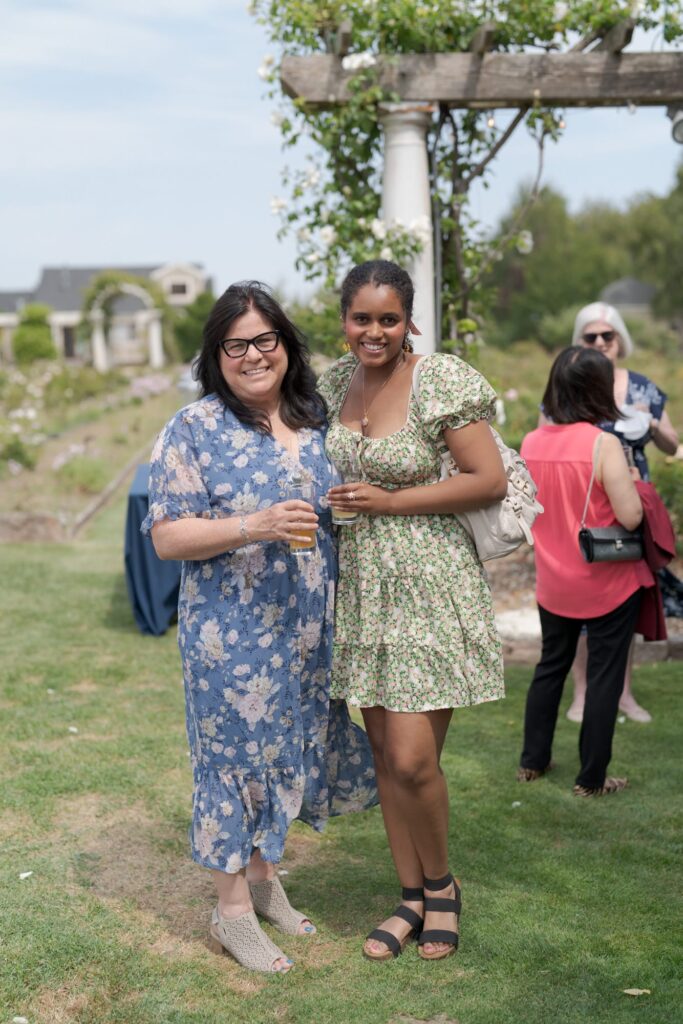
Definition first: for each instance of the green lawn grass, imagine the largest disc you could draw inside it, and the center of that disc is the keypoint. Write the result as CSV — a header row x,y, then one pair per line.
x,y
566,902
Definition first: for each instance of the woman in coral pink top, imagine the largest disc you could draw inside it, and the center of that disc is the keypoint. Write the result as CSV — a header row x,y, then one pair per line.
x,y
605,596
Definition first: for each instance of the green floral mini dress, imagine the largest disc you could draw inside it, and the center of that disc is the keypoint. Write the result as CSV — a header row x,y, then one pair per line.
x,y
414,625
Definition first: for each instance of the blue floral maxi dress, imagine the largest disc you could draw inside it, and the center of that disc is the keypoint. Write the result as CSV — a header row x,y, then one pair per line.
x,y
415,629
255,636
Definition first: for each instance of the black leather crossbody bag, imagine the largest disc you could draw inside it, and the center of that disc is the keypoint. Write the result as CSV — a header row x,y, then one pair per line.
x,y
607,543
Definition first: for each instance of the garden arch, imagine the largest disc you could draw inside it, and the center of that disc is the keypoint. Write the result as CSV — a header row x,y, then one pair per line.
x,y
153,316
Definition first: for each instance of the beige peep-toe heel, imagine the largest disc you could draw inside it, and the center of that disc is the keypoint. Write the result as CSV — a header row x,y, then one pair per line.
x,y
271,902
243,938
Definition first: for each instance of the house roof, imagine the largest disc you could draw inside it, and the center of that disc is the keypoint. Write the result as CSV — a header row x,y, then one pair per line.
x,y
628,291
12,302
62,288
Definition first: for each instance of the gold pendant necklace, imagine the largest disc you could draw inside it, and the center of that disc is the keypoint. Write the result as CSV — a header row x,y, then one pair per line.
x,y
365,422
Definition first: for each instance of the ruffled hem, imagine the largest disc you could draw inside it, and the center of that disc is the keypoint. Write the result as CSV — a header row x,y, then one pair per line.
x,y
377,701
417,677
237,810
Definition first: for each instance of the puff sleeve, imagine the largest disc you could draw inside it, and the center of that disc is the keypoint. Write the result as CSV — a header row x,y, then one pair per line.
x,y
334,383
452,394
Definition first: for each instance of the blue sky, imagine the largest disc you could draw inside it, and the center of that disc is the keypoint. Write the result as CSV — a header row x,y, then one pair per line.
x,y
136,131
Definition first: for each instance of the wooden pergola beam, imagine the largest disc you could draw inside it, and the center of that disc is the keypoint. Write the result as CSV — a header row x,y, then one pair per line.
x,y
500,79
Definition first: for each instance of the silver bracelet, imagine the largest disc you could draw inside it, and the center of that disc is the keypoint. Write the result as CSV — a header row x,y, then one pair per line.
x,y
244,533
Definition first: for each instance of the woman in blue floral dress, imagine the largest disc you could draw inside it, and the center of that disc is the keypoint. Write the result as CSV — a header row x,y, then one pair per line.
x,y
255,617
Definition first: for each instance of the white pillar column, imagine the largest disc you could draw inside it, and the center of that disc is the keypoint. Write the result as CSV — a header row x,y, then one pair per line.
x,y
57,337
100,358
156,345
6,343
406,198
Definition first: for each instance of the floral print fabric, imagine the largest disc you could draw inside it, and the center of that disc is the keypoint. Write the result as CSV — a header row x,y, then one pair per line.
x,y
414,623
255,636
641,393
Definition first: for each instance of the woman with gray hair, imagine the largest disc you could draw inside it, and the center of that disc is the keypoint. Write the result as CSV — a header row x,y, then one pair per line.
x,y
643,419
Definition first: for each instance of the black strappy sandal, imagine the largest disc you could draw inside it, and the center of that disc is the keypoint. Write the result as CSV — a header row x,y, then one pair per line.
x,y
445,904
396,946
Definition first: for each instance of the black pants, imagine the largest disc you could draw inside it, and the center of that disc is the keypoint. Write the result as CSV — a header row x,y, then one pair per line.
x,y
609,637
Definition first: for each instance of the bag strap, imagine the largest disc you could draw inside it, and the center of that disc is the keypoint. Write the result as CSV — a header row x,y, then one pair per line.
x,y
596,454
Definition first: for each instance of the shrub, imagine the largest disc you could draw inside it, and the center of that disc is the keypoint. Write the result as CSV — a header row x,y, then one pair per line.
x,y
667,476
70,386
555,329
84,473
190,324
16,450
33,338
654,336
318,319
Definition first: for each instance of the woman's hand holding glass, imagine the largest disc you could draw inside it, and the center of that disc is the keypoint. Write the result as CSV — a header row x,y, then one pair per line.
x,y
360,497
291,521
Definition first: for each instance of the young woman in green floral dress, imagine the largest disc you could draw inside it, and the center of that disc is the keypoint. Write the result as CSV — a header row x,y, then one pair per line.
x,y
415,635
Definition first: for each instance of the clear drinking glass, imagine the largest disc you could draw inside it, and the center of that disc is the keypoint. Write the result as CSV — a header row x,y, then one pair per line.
x,y
348,472
301,486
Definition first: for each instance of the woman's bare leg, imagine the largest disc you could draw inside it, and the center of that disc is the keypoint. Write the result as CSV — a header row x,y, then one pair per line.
x,y
575,710
260,870
234,900
414,800
627,702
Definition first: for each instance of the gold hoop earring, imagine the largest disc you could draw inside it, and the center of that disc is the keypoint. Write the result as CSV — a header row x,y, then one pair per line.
x,y
346,346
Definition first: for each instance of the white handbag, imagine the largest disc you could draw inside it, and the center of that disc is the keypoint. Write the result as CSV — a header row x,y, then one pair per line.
x,y
502,527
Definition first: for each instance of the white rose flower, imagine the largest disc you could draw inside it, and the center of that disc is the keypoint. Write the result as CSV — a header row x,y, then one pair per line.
x,y
525,243
378,228
278,204
328,235
356,61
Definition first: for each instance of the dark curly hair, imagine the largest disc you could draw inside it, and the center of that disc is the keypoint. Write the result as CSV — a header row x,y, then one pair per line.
x,y
378,272
580,388
300,403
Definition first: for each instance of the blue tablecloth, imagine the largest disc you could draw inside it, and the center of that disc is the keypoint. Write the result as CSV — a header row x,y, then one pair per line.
x,y
152,584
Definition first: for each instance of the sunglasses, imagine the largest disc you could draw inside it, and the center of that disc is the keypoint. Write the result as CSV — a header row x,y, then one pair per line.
x,y
235,348
590,337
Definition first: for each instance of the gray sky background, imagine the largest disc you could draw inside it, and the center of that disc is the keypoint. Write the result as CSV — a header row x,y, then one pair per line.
x,y
136,131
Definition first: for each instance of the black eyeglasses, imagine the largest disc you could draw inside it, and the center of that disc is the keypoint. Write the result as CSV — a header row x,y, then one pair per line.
x,y
590,337
235,348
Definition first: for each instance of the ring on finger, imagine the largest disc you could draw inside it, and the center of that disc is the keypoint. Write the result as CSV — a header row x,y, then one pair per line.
x,y
352,495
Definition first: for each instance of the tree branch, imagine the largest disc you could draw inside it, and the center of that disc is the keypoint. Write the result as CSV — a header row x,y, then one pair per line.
x,y
518,219
481,167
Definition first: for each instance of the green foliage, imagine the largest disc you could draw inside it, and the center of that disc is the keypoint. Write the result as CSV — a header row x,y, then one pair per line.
x,y
33,338
84,473
654,336
318,319
655,229
190,324
334,205
555,329
573,258
15,450
667,476
72,385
